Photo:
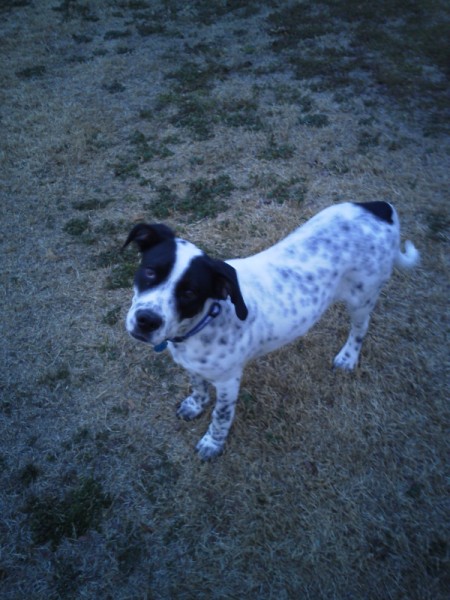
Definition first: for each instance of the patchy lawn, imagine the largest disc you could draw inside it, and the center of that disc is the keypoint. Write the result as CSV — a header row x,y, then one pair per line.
x,y
232,121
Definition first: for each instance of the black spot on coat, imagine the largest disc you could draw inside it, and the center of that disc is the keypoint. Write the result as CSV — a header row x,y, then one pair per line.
x,y
382,210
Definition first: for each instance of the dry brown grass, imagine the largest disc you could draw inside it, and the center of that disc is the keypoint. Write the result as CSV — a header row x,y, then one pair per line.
x,y
332,485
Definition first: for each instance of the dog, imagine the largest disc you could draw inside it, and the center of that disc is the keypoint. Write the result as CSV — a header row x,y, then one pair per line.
x,y
214,316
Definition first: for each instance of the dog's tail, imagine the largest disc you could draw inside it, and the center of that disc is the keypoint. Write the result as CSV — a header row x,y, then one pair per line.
x,y
409,258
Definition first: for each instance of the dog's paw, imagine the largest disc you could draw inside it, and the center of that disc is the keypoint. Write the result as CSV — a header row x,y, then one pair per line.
x,y
345,361
189,409
208,448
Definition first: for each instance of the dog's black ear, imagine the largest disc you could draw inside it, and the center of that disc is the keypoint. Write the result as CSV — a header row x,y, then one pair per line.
x,y
226,284
145,236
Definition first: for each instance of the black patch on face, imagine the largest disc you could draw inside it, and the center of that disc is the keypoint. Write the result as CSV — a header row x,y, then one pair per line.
x,y
157,245
194,288
207,278
382,210
156,265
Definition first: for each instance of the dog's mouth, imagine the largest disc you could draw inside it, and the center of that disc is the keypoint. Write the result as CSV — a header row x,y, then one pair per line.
x,y
147,337
141,337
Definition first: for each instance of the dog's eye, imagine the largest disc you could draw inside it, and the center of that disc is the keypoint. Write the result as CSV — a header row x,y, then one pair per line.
x,y
189,294
150,274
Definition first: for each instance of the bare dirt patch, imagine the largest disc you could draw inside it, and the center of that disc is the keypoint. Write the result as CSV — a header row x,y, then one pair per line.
x,y
233,122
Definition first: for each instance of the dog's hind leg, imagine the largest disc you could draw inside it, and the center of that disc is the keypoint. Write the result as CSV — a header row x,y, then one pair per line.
x,y
349,354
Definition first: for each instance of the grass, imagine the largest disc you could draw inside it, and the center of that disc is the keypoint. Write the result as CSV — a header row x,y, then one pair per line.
x,y
196,113
293,190
126,168
29,473
77,226
203,198
233,122
147,150
199,112
55,376
276,151
30,72
112,316
193,77
121,276
438,223
241,112
314,120
52,519
91,204
379,45
72,9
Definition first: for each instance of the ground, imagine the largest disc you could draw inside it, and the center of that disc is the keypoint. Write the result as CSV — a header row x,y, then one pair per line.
x,y
233,122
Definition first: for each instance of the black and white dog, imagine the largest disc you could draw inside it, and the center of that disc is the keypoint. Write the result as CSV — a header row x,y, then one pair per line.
x,y
215,316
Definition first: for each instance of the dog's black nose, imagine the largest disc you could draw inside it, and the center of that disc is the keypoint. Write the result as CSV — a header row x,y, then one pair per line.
x,y
148,321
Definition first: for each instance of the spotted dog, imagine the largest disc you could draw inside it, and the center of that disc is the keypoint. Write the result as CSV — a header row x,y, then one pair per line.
x,y
215,316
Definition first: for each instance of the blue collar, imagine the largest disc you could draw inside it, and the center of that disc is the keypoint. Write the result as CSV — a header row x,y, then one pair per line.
x,y
213,312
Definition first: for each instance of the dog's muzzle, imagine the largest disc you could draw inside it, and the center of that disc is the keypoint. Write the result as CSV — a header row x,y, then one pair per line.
x,y
146,323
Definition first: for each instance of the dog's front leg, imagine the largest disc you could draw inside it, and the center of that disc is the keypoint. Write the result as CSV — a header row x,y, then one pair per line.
x,y
194,405
213,441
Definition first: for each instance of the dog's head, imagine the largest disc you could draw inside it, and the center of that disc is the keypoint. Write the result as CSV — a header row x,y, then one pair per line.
x,y
173,283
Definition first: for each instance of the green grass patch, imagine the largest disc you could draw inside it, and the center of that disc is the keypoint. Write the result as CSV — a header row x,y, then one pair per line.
x,y
200,113
165,203
151,27
29,473
317,120
112,316
115,87
121,276
117,35
91,204
196,109
293,190
125,168
285,94
401,45
135,4
197,113
194,77
52,518
9,4
53,377
143,150
241,112
109,228
81,39
208,12
77,226
204,198
307,66
32,72
295,23
276,151
367,140
146,150
72,9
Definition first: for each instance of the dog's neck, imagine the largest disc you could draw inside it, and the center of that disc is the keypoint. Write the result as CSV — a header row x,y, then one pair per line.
x,y
214,311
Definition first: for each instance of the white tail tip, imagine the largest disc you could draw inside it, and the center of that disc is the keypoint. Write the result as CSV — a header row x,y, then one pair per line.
x,y
408,259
